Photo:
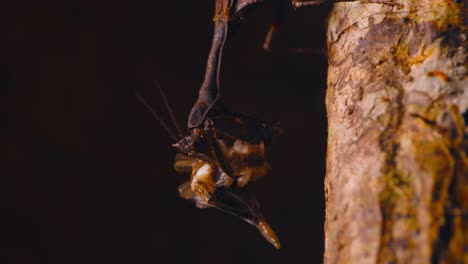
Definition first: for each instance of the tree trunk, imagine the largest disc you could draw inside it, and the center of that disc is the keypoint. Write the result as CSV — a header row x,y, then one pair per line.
x,y
397,170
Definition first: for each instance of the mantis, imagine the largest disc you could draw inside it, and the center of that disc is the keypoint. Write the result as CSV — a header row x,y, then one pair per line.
x,y
226,150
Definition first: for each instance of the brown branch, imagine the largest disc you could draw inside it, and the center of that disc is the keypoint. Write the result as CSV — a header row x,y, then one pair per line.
x,y
397,169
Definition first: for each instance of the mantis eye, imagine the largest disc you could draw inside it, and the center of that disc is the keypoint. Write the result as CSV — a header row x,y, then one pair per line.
x,y
200,144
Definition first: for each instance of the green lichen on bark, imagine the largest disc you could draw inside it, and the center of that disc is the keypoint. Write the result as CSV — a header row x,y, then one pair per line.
x,y
397,177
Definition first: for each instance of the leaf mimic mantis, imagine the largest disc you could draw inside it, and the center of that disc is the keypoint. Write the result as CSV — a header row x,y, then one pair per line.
x,y
226,150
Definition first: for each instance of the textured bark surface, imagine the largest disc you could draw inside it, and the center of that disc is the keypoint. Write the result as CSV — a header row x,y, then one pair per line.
x,y
397,170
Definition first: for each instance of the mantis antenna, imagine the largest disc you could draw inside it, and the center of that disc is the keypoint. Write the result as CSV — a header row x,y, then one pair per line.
x,y
169,109
156,116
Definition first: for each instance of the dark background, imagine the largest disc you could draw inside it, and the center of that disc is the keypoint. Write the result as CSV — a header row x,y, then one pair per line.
x,y
86,172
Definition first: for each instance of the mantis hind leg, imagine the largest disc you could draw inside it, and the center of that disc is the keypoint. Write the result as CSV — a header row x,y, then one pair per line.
x,y
302,3
281,13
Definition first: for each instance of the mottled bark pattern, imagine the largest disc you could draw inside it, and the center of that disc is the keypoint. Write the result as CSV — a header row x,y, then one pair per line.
x,y
397,169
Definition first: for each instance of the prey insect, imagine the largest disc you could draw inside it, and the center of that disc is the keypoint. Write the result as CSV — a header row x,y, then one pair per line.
x,y
223,155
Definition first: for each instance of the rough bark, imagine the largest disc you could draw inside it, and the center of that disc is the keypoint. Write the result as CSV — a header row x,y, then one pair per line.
x,y
397,169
